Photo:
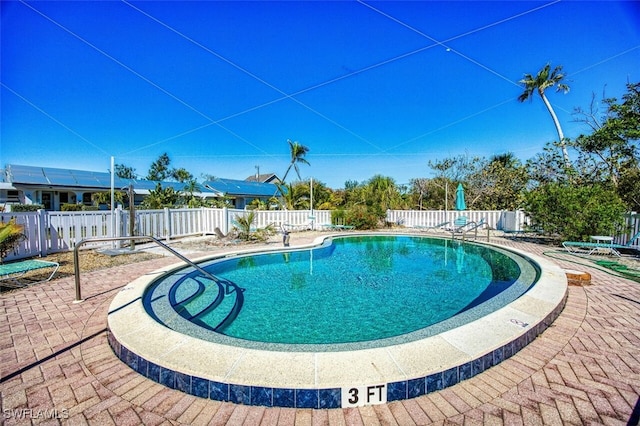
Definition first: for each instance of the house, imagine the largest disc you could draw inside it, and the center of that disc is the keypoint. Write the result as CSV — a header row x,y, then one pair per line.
x,y
54,187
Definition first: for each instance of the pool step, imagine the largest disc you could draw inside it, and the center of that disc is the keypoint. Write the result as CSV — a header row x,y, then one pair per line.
x,y
210,304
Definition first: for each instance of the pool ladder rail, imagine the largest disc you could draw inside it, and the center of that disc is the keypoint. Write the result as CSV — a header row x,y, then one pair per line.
x,y
76,258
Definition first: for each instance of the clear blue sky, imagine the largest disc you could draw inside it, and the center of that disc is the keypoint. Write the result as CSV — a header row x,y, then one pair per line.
x,y
370,87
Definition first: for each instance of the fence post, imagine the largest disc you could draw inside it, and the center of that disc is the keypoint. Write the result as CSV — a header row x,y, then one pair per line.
x,y
167,223
41,226
117,231
225,220
204,219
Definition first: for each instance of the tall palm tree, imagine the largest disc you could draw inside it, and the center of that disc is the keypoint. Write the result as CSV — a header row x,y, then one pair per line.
x,y
298,152
542,81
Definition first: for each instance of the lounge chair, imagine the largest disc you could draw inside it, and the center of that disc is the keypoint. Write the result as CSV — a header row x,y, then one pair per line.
x,y
303,227
437,227
466,228
226,239
11,272
458,223
580,246
332,227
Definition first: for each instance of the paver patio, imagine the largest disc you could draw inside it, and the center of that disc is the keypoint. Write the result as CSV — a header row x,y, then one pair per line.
x,y
56,366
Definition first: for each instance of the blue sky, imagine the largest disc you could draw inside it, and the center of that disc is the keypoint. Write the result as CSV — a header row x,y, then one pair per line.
x,y
370,87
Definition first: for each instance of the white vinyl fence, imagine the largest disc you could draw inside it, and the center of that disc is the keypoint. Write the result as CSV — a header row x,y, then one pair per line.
x,y
55,231
51,232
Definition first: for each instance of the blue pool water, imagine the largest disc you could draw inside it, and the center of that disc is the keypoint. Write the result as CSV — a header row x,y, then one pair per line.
x,y
349,290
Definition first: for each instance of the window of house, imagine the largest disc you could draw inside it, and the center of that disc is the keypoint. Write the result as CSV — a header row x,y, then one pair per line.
x,y
13,196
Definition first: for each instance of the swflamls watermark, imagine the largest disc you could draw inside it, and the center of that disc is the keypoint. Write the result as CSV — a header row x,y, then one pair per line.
x,y
31,413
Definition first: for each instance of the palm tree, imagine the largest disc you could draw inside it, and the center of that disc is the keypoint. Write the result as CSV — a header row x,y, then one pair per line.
x,y
298,152
542,81
10,236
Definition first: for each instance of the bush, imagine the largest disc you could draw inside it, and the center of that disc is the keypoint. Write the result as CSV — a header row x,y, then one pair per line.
x,y
338,217
361,218
26,207
576,212
71,207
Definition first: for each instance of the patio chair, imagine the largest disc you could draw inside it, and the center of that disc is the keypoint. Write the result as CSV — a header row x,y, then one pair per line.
x,y
11,272
458,223
437,227
577,247
467,228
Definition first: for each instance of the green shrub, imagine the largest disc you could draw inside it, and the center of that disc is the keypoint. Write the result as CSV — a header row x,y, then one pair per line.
x,y
575,212
71,207
338,217
361,218
26,207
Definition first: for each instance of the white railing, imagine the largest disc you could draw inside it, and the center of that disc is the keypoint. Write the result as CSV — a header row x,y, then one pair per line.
x,y
495,219
50,232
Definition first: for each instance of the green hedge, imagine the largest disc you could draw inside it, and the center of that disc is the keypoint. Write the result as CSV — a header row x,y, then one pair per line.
x,y
26,207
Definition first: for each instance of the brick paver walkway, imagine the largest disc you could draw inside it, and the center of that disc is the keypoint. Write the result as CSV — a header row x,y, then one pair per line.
x,y
56,367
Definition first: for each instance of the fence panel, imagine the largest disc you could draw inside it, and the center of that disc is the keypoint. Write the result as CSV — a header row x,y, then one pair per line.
x,y
151,223
416,218
185,222
214,218
31,245
63,230
633,225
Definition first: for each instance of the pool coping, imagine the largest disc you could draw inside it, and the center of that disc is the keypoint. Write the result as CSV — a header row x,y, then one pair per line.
x,y
329,379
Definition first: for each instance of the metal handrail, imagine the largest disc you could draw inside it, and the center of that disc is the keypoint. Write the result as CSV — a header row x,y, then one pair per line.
x,y
76,258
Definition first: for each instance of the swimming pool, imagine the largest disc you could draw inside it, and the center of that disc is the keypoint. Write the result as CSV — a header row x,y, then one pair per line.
x,y
350,292
157,334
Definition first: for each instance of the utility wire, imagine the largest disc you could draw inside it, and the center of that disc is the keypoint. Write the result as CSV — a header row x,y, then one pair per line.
x,y
451,49
252,75
142,77
325,117
60,123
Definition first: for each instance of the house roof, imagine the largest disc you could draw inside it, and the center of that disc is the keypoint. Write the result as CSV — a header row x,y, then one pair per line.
x,y
68,178
49,176
31,175
235,187
265,178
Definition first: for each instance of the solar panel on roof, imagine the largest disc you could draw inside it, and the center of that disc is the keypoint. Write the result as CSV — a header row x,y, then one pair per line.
x,y
83,178
241,187
27,175
59,177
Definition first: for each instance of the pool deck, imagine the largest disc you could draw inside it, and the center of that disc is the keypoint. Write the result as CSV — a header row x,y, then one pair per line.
x,y
56,362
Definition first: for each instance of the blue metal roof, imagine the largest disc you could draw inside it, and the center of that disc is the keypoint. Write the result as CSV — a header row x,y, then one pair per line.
x,y
242,188
31,175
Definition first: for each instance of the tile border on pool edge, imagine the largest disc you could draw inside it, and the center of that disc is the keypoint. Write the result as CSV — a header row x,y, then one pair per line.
x,y
325,398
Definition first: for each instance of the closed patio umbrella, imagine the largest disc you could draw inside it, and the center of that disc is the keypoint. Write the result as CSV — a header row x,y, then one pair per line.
x,y
460,204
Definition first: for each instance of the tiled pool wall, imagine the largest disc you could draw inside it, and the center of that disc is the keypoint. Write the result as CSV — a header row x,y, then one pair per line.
x,y
324,398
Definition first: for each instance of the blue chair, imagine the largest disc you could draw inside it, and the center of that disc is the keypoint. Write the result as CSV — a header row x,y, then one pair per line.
x,y
459,223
